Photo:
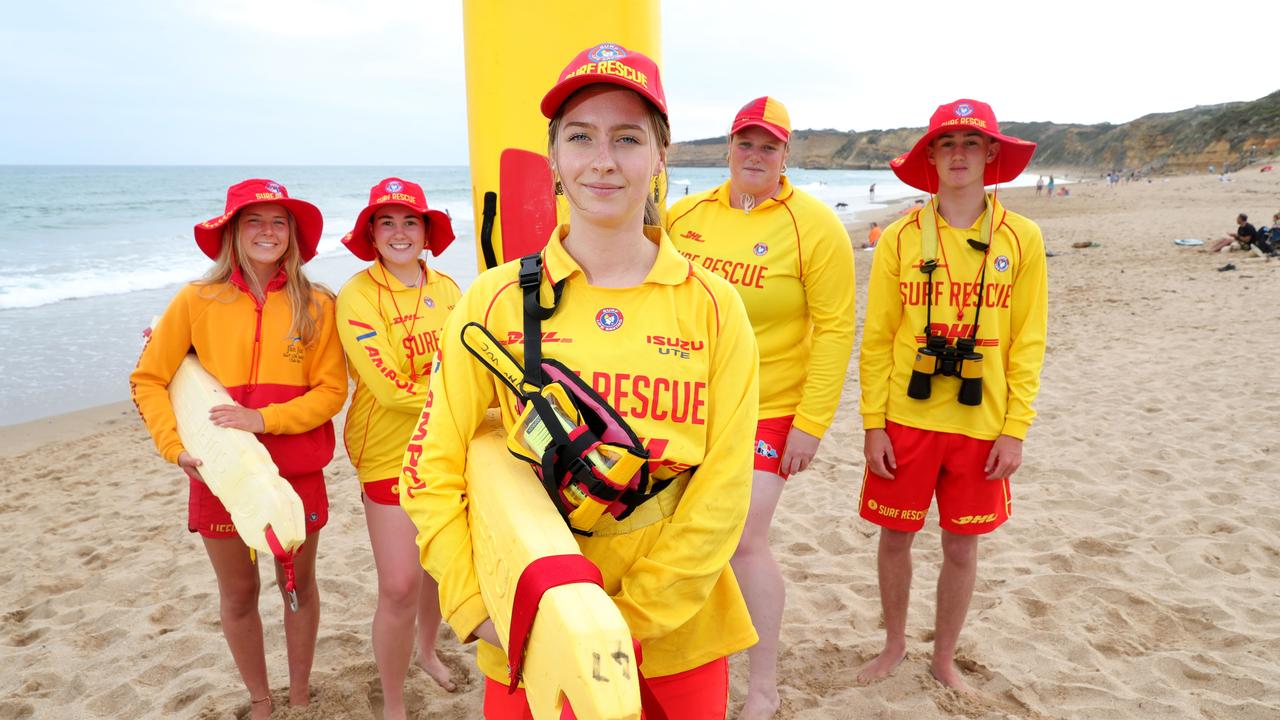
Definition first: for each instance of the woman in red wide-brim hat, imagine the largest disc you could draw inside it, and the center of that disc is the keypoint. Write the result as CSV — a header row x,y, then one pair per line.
x,y
267,334
389,320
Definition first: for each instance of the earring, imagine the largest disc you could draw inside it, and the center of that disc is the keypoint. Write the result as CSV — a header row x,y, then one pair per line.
x,y
656,197
559,187
784,167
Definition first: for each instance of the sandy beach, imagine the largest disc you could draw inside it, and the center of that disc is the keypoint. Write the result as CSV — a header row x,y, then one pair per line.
x,y
1138,578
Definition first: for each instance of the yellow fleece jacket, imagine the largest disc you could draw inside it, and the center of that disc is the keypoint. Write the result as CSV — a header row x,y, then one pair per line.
x,y
1011,327
390,334
676,358
791,261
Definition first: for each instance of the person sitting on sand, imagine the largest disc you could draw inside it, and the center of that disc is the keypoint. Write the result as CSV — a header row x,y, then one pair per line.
x,y
966,278
873,236
1241,239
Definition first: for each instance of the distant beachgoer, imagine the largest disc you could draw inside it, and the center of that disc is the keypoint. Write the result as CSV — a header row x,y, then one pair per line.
x,y
1040,185
267,334
1049,186
1241,239
872,192
389,320
955,430
873,236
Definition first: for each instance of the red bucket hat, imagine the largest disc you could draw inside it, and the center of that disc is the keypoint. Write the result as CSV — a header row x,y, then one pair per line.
x,y
394,191
612,64
914,168
306,216
765,112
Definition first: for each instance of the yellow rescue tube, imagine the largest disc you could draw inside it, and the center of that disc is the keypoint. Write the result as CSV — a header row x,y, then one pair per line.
x,y
515,50
237,468
580,647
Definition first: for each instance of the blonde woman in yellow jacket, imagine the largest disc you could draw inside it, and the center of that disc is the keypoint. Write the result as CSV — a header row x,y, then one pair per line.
x,y
267,334
389,320
789,257
666,343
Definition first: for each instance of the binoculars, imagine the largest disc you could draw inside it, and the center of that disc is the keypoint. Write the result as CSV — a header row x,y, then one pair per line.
x,y
937,358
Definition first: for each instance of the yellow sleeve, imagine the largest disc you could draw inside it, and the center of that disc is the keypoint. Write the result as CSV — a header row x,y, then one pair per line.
x,y
1028,326
884,316
666,587
829,289
169,343
390,387
326,376
435,495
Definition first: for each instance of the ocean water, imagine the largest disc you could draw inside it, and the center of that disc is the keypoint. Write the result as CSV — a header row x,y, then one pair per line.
x,y
92,253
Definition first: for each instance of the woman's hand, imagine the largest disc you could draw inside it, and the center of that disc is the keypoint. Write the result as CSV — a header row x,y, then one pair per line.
x,y
799,451
877,448
486,632
189,464
240,418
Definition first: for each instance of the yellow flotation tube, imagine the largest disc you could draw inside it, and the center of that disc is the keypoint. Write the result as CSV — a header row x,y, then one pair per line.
x,y
514,51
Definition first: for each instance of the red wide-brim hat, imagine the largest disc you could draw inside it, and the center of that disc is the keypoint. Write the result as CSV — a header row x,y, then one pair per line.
x,y
395,191
611,64
307,217
914,168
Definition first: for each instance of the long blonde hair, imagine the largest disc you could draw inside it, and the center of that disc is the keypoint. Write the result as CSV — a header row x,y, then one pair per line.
x,y
661,130
297,288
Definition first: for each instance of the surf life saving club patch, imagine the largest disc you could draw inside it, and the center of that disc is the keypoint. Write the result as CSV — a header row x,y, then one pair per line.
x,y
395,186
605,52
964,110
609,319
1002,263
760,249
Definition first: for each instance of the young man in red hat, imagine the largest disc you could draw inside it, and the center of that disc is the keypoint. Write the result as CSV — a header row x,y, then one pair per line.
x,y
951,355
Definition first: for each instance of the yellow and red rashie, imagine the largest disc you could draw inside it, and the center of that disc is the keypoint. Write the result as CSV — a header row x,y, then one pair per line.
x,y
676,358
791,261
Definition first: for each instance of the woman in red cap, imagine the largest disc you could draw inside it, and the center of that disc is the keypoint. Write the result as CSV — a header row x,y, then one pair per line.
x,y
666,343
267,334
389,320
789,257
951,354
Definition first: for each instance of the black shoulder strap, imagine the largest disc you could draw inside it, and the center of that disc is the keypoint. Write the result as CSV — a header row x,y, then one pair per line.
x,y
534,314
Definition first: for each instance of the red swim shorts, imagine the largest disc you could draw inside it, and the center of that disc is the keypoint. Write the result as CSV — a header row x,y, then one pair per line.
x,y
945,464
771,441
382,492
698,694
207,516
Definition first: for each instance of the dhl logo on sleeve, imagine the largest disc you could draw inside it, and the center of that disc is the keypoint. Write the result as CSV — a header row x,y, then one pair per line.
x,y
612,67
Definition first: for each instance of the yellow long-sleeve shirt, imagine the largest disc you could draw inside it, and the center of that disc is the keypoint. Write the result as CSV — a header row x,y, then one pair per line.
x,y
390,334
248,348
676,358
791,261
1011,327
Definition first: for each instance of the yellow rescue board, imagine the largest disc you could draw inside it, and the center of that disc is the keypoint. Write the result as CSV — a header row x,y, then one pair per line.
x,y
580,647
515,50
237,468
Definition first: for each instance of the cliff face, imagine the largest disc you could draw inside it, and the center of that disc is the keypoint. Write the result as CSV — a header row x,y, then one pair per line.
x,y
1176,142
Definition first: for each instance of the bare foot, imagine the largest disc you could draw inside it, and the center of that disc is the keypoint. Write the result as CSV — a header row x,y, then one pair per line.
x,y
260,709
438,671
759,706
950,677
300,697
882,665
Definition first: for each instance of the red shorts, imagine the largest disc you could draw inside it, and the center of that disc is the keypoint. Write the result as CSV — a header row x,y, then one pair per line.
x,y
945,464
382,492
207,516
698,694
771,441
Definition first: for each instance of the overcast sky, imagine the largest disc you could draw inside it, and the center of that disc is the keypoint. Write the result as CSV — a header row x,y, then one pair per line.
x,y
313,81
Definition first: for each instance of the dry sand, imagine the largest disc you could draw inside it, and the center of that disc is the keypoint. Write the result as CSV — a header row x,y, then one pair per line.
x,y
1138,578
